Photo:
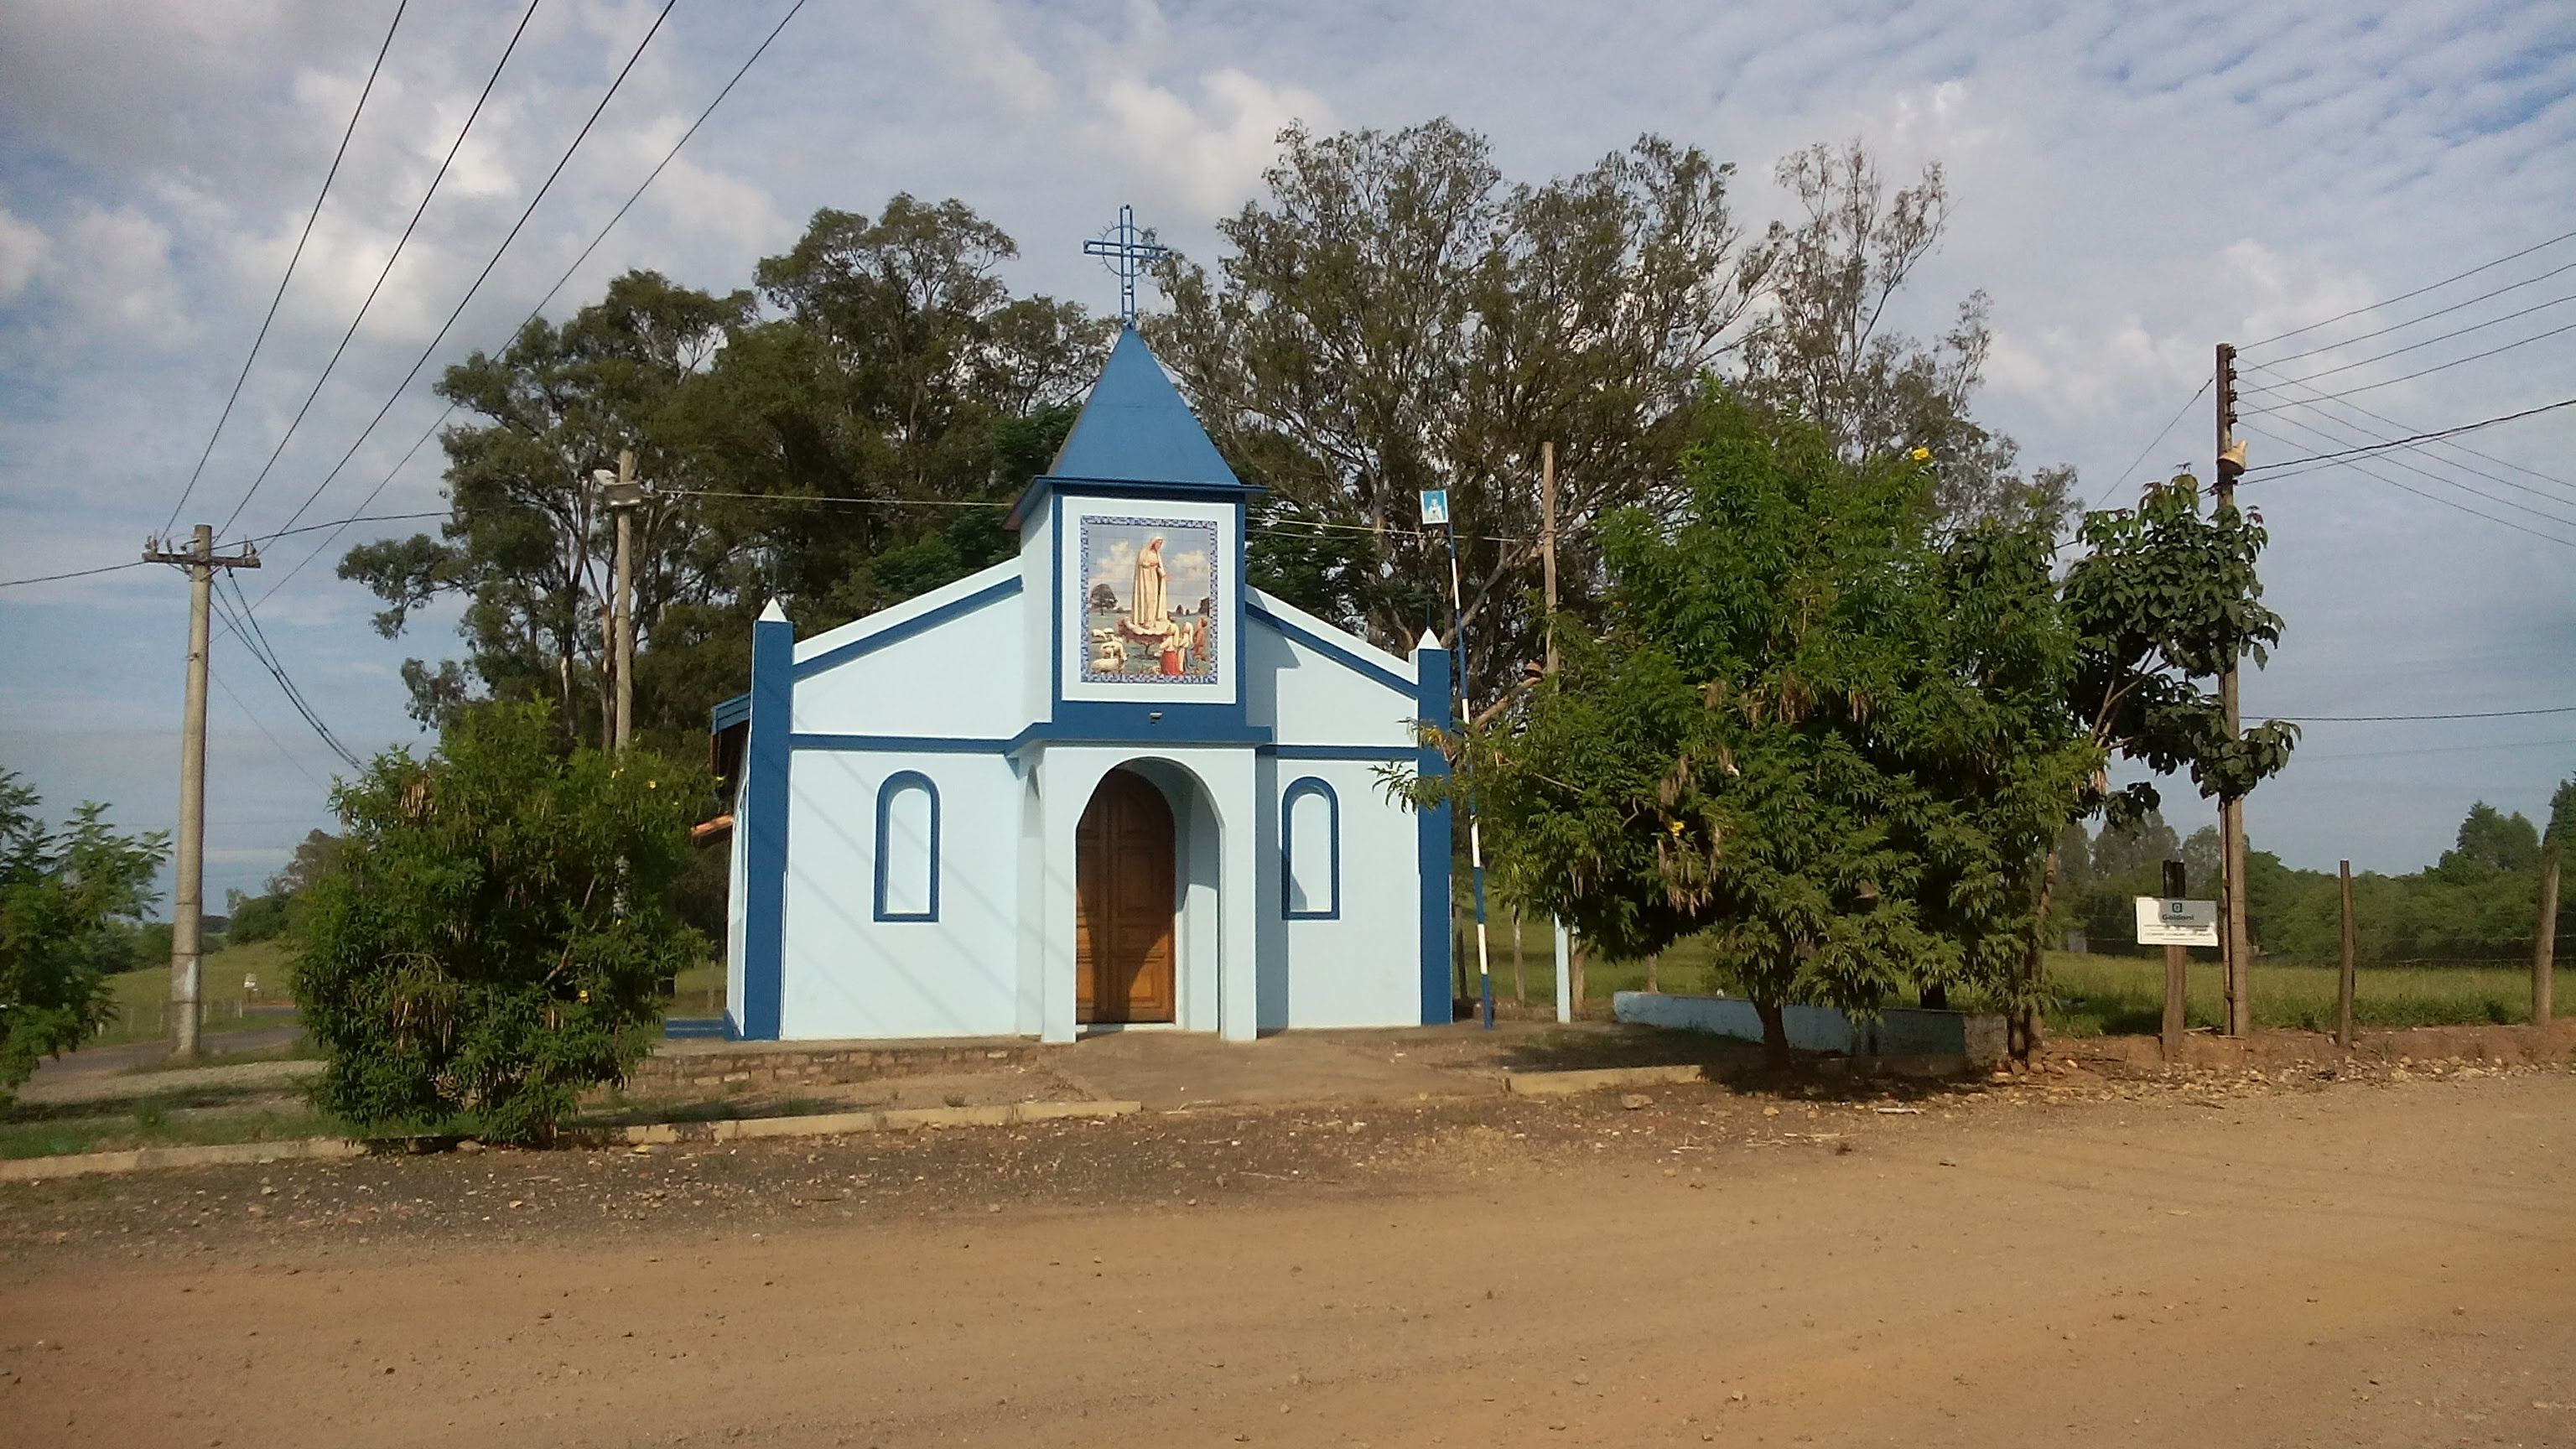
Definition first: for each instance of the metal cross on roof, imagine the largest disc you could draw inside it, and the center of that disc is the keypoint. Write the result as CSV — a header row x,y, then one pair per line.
x,y
1129,251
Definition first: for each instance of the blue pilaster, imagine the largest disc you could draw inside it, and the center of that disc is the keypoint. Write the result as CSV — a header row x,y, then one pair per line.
x,y
764,940
1431,702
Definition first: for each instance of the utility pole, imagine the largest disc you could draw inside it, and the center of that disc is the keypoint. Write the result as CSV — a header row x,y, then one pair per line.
x,y
2544,942
2231,808
188,890
622,493
1547,538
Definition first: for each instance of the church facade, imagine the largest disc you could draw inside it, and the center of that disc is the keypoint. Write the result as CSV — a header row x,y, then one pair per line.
x,y
1104,785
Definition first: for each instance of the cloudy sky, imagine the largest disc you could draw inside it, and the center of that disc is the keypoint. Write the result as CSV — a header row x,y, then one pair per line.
x,y
2133,184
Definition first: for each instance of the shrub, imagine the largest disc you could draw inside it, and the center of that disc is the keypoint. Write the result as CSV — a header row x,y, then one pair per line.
x,y
67,902
484,946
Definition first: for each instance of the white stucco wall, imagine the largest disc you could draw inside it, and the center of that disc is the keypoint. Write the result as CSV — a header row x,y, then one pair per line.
x,y
1308,698
847,974
1362,968
959,679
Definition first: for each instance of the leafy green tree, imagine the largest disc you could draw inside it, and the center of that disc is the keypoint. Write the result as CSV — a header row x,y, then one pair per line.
x,y
1815,728
2493,840
67,901
487,942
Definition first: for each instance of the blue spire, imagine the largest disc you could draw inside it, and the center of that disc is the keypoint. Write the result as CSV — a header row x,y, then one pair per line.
x,y
1136,429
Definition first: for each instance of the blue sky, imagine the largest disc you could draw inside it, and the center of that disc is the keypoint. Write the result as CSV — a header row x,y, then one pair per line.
x,y
2132,185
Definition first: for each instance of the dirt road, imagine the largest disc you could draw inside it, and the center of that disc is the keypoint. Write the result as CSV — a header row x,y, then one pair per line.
x,y
2375,1264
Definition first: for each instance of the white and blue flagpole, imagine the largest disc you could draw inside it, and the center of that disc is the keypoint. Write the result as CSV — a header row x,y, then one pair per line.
x,y
1435,511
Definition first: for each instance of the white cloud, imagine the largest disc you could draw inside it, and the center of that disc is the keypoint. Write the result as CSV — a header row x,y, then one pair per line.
x,y
122,279
23,249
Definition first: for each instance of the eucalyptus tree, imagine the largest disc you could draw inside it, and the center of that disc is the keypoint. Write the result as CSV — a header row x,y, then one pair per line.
x,y
1393,315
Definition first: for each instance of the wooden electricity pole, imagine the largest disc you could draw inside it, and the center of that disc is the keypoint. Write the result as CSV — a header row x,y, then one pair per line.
x,y
1547,539
188,888
2177,979
2346,982
623,493
2544,942
2235,940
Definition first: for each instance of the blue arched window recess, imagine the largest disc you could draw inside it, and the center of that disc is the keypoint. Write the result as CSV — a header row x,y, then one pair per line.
x,y
907,848
1310,852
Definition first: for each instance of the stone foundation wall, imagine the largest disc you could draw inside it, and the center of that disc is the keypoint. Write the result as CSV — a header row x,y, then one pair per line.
x,y
694,1066
2291,1048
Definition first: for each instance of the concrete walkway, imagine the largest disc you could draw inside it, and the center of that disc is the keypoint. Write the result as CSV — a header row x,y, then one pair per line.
x,y
1171,1071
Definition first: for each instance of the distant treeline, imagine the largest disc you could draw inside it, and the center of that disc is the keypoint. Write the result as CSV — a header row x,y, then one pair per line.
x,y
2479,902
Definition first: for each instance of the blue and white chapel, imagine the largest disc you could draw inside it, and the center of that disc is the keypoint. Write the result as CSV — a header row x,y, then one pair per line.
x,y
1104,785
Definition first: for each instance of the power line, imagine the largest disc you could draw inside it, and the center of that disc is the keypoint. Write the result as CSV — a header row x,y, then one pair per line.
x,y
385,271
2429,341
2410,718
2446,502
244,706
2124,473
2450,482
296,256
480,277
74,574
2426,371
2418,292
245,627
2442,478
2419,438
602,235
2305,758
2317,401
2427,317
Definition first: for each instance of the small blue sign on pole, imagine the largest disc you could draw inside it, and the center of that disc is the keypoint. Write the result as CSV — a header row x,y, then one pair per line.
x,y
1435,507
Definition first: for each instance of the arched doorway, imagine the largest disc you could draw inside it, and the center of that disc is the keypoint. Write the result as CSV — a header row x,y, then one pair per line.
x,y
1124,907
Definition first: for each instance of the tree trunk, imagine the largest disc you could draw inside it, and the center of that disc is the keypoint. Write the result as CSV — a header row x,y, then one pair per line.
x,y
2028,1024
1520,978
1775,1033
1936,997
1654,975
1574,968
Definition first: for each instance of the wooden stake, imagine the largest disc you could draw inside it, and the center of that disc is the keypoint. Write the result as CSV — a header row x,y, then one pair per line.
x,y
2177,978
2544,943
2344,987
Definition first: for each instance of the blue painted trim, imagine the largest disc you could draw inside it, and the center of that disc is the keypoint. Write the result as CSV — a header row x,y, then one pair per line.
x,y
1288,846
1050,487
1339,653
919,744
764,944
929,619
1432,839
729,713
1055,603
692,1028
1336,752
899,780
1089,722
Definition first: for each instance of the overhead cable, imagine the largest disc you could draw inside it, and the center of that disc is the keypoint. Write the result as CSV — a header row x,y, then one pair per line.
x,y
292,258
383,272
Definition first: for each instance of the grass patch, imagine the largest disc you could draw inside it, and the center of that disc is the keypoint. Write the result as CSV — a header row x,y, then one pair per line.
x,y
699,991
143,997
2099,995
160,1121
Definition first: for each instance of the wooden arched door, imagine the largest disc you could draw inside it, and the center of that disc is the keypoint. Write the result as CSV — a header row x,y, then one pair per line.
x,y
1124,889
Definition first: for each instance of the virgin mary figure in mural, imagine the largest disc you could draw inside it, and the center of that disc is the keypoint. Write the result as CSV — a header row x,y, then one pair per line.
x,y
1148,613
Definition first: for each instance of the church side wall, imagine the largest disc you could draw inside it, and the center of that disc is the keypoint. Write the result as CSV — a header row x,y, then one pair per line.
x,y
1308,698
1361,967
849,974
958,680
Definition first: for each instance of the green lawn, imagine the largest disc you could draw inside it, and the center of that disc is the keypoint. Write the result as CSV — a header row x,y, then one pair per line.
x,y
2098,995
143,997
163,1120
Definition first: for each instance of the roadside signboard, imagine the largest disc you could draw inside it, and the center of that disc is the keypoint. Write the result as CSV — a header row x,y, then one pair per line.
x,y
1435,507
2166,921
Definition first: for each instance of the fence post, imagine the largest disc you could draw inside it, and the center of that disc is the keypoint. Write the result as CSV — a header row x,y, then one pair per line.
x,y
2344,984
2544,943
2177,980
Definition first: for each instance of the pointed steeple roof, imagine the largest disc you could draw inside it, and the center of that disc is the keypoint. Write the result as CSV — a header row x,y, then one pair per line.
x,y
1136,429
